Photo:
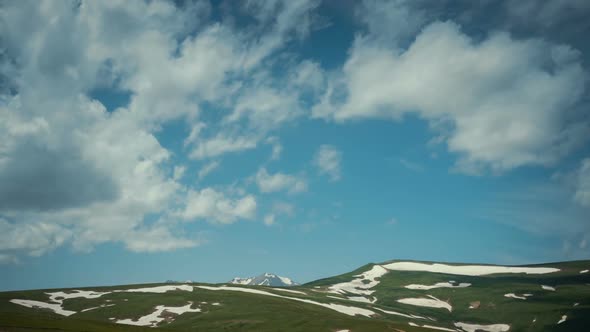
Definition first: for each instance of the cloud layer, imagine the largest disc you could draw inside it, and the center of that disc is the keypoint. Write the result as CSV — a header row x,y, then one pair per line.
x,y
77,174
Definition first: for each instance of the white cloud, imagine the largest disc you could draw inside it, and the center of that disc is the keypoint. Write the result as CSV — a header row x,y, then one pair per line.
x,y
279,209
207,169
268,183
34,239
216,207
328,160
277,147
156,239
178,172
99,174
219,145
501,102
269,219
266,108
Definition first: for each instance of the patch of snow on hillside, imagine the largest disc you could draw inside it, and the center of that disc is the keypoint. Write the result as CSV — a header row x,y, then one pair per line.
x,y
362,284
158,289
514,296
100,306
467,270
403,315
431,302
563,319
450,284
362,299
488,328
156,317
351,311
59,297
584,271
289,291
549,288
55,307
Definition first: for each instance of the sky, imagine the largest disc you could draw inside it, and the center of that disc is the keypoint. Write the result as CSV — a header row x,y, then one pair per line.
x,y
142,141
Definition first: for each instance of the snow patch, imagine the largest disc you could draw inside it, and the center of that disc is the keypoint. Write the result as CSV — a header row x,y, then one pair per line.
x,y
431,302
584,271
158,289
100,306
156,317
403,315
450,284
549,288
467,270
351,311
488,328
362,284
59,297
514,296
289,291
361,299
563,319
55,307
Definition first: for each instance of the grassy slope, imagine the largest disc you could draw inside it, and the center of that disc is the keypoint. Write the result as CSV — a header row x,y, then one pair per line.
x,y
546,307
252,312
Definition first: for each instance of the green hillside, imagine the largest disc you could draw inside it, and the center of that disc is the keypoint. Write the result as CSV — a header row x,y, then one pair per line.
x,y
375,297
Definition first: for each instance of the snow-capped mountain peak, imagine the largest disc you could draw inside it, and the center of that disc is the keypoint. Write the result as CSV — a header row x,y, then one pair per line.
x,y
266,279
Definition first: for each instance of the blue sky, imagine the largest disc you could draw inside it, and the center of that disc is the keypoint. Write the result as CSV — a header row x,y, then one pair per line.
x,y
146,141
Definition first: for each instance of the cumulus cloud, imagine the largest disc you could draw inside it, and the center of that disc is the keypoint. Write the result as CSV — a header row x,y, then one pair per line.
x,y
268,183
327,159
501,102
76,173
34,238
217,208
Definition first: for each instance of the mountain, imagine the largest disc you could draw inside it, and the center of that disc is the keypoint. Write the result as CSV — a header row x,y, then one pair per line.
x,y
178,282
389,296
266,279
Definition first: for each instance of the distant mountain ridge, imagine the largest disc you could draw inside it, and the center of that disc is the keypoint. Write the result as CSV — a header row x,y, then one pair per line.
x,y
266,279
